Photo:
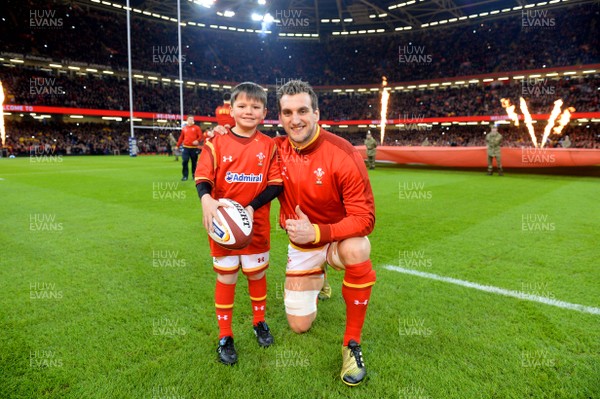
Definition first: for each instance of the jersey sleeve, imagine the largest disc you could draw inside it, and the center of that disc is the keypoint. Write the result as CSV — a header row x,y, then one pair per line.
x,y
274,174
358,202
206,169
180,140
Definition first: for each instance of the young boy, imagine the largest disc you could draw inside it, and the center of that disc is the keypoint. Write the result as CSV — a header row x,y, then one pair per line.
x,y
222,168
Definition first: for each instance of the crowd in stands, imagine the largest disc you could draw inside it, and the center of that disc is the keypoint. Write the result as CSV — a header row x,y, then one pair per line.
x,y
27,138
36,87
585,136
57,138
481,46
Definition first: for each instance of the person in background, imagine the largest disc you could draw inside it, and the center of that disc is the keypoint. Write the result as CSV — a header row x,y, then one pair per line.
x,y
371,145
191,138
223,112
493,140
173,145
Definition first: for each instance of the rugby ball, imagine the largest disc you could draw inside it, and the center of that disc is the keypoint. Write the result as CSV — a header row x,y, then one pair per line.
x,y
234,229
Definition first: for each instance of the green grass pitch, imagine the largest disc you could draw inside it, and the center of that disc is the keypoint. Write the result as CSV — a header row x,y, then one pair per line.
x,y
106,289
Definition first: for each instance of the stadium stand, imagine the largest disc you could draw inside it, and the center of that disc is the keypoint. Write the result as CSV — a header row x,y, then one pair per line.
x,y
480,48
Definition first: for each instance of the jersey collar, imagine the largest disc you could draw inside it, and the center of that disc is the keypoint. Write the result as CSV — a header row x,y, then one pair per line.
x,y
307,146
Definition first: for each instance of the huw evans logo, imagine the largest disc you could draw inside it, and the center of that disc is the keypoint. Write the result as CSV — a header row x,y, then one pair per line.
x,y
411,54
166,55
537,19
44,86
536,222
413,122
44,222
540,156
41,359
291,19
44,19
536,87
414,191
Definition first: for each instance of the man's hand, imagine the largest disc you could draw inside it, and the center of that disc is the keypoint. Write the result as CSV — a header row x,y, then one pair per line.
x,y
195,142
220,129
209,211
301,230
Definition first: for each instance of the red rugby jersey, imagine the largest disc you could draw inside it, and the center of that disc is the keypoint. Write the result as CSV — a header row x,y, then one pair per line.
x,y
329,180
188,135
240,168
223,114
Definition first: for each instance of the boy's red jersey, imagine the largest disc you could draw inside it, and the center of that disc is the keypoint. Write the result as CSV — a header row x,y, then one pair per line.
x,y
240,168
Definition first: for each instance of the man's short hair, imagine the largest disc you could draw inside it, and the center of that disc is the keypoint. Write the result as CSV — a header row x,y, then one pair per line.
x,y
297,87
252,91
227,97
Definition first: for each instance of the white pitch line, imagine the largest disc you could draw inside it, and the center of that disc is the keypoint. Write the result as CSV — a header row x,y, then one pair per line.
x,y
500,291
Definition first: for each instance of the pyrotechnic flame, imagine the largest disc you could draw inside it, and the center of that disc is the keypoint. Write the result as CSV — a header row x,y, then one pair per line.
x,y
385,96
2,129
551,120
510,110
564,120
527,120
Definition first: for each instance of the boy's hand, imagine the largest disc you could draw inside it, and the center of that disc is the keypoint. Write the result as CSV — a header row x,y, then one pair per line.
x,y
209,211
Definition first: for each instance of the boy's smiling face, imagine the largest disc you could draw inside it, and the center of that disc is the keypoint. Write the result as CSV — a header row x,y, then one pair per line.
x,y
247,112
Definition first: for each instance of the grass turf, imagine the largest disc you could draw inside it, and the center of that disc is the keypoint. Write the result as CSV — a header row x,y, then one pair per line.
x,y
106,289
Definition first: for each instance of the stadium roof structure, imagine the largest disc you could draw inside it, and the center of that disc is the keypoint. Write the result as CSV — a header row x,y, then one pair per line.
x,y
317,19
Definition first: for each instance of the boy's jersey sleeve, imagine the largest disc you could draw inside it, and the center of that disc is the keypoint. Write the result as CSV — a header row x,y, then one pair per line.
x,y
206,169
274,174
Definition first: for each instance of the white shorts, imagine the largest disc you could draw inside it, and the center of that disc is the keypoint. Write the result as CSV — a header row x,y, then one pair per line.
x,y
306,262
251,264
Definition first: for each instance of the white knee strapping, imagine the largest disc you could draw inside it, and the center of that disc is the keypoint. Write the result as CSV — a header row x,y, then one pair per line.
x,y
300,303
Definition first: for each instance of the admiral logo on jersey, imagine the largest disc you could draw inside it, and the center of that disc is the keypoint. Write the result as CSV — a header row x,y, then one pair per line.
x,y
232,177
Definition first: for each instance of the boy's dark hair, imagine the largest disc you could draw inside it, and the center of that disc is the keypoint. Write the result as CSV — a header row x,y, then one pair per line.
x,y
227,97
252,91
296,87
